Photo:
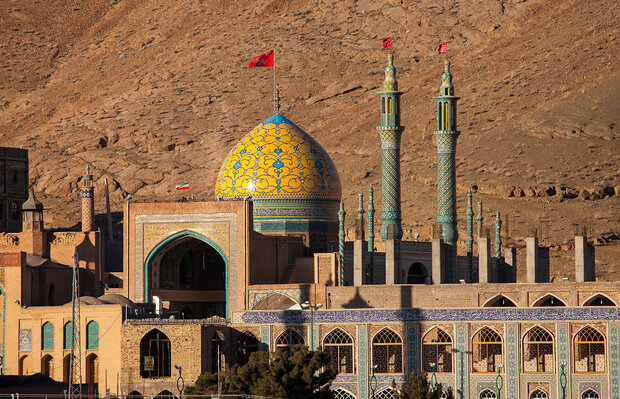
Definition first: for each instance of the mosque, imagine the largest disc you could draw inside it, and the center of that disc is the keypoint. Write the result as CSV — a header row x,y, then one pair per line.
x,y
266,266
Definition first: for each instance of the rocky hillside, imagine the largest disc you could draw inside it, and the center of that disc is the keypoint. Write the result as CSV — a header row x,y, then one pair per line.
x,y
155,93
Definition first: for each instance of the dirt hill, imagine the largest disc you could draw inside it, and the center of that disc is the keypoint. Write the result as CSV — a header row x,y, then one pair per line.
x,y
155,93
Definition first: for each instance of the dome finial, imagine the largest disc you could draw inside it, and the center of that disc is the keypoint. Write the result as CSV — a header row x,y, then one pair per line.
x,y
446,81
276,104
390,83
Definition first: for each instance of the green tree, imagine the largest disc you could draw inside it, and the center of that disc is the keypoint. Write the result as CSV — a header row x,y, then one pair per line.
x,y
302,375
418,386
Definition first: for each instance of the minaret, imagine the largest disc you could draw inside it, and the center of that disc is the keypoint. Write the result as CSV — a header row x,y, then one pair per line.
x,y
498,238
446,135
470,237
371,236
88,205
390,132
359,224
341,215
470,221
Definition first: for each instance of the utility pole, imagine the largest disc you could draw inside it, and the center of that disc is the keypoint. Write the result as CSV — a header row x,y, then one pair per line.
x,y
75,368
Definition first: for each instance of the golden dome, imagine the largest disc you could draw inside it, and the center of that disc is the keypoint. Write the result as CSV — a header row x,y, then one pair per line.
x,y
278,160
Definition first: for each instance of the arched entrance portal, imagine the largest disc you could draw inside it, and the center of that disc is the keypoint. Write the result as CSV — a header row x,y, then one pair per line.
x,y
190,275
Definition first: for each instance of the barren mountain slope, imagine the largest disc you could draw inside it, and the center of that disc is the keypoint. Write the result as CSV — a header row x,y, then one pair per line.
x,y
155,93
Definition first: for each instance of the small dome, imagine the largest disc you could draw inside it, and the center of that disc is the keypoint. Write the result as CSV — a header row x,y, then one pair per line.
x,y
116,299
278,160
32,203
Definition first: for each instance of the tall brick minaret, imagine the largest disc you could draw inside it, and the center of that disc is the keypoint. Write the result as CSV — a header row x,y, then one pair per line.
x,y
87,192
446,135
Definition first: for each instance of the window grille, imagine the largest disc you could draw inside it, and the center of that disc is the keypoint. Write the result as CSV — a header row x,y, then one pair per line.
x,y
387,352
590,394
538,394
487,394
342,394
339,345
437,349
589,351
247,343
92,335
487,345
288,340
386,393
47,336
537,351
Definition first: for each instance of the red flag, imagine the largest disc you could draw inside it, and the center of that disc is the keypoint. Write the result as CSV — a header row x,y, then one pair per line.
x,y
387,42
443,48
264,60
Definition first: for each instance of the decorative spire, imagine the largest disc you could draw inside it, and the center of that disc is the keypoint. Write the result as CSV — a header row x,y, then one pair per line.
x,y
341,215
390,83
276,104
498,238
32,203
371,220
470,221
87,192
446,81
480,219
359,226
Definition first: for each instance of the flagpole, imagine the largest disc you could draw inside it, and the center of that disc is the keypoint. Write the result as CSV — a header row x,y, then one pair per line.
x,y
275,111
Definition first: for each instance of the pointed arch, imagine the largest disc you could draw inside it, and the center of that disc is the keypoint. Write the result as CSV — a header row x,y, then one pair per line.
x,y
538,394
341,393
538,356
437,350
154,355
385,393
590,394
548,300
589,350
339,345
68,335
47,365
186,233
92,335
288,340
417,274
165,394
247,343
134,395
276,301
387,351
599,300
25,365
47,336
487,394
499,301
488,350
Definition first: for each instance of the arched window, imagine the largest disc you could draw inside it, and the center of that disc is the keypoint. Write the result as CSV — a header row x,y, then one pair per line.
x,y
599,300
155,355
247,343
47,336
288,340
47,365
589,351
549,301
437,349
387,352
217,352
590,394
66,368
383,105
487,394
537,351
389,105
339,345
92,370
165,394
92,335
417,274
25,365
386,393
487,345
69,333
340,393
538,394
134,395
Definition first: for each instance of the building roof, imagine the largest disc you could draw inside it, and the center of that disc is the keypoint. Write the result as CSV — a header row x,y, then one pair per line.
x,y
32,203
278,160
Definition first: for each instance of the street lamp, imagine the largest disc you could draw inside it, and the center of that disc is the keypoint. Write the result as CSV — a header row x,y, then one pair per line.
x,y
373,381
499,383
433,376
312,307
563,380
180,382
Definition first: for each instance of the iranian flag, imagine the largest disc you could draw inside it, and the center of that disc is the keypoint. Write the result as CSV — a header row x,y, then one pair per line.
x,y
183,186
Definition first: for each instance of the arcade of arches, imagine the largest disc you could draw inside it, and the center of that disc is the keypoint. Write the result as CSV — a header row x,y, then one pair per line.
x,y
190,275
